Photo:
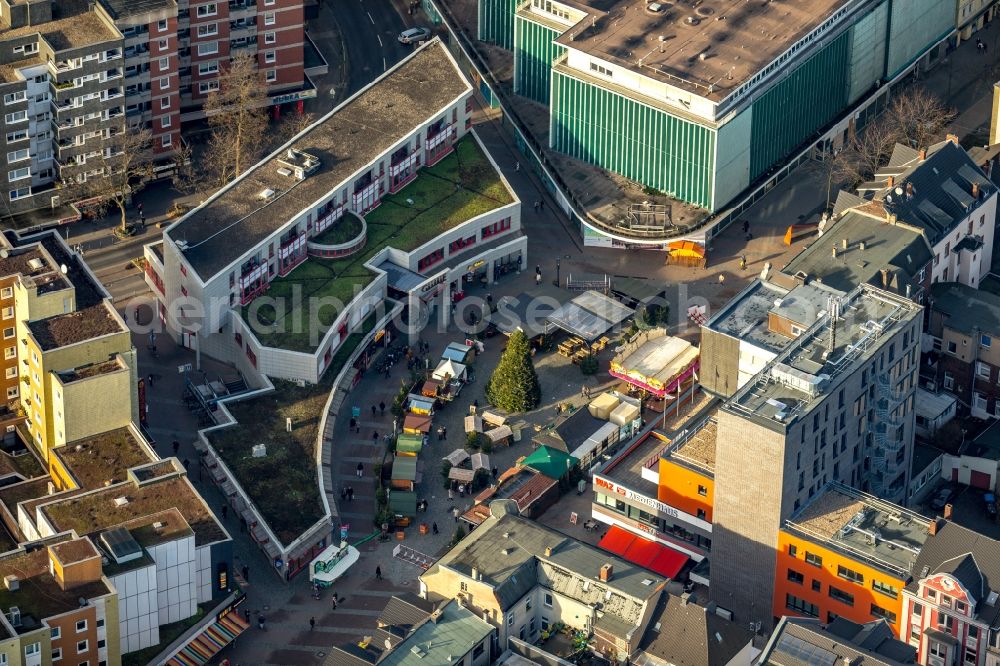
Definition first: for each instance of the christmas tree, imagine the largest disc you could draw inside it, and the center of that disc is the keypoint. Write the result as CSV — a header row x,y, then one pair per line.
x,y
514,385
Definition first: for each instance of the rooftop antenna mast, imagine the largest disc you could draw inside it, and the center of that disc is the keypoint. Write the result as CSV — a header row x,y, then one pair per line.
x,y
834,310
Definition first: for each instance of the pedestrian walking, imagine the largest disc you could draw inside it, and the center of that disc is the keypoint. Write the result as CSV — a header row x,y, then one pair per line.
x,y
451,495
743,262
746,226
150,381
454,512
461,490
343,494
722,279
541,204
434,528
354,423
538,277
246,614
494,472
517,166
312,623
333,602
381,407
260,621
444,432
374,411
361,468
440,433
225,511
378,573
350,493
176,446
246,574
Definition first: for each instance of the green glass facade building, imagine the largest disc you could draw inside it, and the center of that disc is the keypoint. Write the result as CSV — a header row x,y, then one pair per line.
x,y
710,161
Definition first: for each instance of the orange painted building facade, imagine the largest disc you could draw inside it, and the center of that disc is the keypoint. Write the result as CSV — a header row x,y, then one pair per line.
x,y
813,580
688,489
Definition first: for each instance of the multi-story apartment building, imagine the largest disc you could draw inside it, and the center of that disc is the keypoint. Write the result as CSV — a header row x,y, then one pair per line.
x,y
950,610
846,554
57,605
941,190
835,404
333,197
960,356
61,80
710,105
524,578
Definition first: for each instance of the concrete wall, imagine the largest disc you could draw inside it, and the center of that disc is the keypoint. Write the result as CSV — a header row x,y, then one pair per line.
x,y
720,355
732,159
83,408
914,25
867,52
138,611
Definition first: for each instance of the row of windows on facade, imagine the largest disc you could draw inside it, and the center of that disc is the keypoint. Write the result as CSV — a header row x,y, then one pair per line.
x,y
462,244
842,572
661,524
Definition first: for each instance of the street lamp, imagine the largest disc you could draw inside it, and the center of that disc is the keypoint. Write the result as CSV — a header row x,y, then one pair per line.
x,y
558,265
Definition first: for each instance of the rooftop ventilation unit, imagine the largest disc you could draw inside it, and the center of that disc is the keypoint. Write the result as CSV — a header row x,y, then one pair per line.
x,y
266,194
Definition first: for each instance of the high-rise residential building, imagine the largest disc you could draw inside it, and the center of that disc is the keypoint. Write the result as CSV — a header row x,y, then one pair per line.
x,y
834,404
61,80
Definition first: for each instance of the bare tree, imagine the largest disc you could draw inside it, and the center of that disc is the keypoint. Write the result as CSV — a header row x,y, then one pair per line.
x,y
867,150
185,177
917,117
238,118
124,163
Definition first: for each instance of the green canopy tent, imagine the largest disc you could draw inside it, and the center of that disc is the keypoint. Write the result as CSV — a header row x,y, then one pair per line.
x,y
403,503
553,463
407,443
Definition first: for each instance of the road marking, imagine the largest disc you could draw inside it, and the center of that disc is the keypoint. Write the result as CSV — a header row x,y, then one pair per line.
x,y
370,17
380,40
384,65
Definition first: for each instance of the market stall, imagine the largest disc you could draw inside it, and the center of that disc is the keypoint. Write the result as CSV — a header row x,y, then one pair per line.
x,y
656,362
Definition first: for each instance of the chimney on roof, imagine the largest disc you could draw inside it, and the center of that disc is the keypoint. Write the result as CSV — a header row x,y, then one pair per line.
x,y
846,243
833,251
953,138
475,573
891,181
923,154
885,278
975,191
947,511
861,246
933,527
548,551
436,615
606,572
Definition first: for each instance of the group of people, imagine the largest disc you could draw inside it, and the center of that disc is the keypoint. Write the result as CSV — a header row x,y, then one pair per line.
x,y
347,493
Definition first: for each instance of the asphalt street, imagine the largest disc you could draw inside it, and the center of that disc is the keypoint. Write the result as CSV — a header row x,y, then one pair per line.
x,y
370,29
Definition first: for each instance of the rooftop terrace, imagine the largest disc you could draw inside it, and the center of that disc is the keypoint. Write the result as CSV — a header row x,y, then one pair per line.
x,y
881,533
10,72
74,327
345,141
104,458
739,38
817,360
92,370
461,186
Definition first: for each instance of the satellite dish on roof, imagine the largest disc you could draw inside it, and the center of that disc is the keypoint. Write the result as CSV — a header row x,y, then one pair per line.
x,y
4,253
64,269
899,191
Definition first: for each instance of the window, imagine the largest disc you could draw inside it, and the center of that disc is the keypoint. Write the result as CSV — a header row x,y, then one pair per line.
x,y
164,82
918,610
208,86
208,48
101,643
11,373
271,76
269,18
985,341
13,98
814,560
890,591
164,102
11,392
817,586
848,574
161,26
270,38
166,140
18,135
56,654
601,69
888,615
547,601
840,595
510,620
208,29
952,348
32,649
463,585
165,122
8,333
982,370
19,174
270,56
792,550
100,623
973,631
208,10
527,605
949,381
701,514
702,490
208,68
970,655
56,633
7,292
16,117
801,606
795,577
81,626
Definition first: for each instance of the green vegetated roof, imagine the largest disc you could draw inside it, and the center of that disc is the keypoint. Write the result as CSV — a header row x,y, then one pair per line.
x,y
283,484
463,185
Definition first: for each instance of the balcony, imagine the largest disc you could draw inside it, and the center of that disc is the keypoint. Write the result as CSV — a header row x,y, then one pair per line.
x,y
65,85
113,74
112,55
63,66
113,93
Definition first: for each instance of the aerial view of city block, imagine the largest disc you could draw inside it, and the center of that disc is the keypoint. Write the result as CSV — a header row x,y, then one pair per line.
x,y
500,332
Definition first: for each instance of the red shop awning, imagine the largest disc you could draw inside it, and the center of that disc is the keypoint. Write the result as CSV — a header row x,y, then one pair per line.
x,y
647,554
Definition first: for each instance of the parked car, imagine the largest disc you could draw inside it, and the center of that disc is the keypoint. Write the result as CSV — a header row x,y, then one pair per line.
x,y
414,35
942,497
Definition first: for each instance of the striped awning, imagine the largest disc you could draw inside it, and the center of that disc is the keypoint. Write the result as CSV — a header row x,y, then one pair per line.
x,y
207,644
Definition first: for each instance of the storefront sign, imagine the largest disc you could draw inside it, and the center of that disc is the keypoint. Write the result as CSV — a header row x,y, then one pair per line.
x,y
433,283
294,97
478,264
659,507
